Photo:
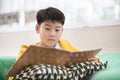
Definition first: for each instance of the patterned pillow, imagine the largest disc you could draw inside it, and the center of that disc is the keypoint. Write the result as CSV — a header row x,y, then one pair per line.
x,y
75,71
82,69
43,72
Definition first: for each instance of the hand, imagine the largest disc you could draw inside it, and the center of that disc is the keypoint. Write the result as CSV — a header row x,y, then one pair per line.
x,y
93,59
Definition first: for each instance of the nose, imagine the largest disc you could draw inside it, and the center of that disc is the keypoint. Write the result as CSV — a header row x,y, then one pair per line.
x,y
52,34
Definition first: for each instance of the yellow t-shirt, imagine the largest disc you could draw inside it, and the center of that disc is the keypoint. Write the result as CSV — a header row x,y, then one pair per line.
x,y
64,44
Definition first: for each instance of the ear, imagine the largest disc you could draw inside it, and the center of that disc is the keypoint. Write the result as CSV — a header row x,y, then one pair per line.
x,y
37,28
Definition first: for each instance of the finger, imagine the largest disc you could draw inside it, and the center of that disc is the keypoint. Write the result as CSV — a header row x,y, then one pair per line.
x,y
93,59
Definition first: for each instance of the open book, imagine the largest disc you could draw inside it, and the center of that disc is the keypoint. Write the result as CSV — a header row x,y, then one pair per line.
x,y
40,55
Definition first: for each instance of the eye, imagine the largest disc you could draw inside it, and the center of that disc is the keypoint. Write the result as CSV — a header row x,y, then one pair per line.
x,y
57,30
47,28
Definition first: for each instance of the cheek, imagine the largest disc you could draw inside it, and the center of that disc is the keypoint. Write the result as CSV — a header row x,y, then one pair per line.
x,y
59,35
43,34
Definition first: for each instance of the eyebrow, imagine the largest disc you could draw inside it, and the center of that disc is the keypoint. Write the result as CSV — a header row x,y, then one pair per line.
x,y
47,25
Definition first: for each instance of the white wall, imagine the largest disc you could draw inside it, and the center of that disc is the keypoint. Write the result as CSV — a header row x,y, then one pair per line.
x,y
107,38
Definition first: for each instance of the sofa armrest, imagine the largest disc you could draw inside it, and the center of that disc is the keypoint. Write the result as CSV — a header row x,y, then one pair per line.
x,y
5,63
113,68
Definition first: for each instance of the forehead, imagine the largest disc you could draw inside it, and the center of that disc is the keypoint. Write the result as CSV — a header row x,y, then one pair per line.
x,y
50,23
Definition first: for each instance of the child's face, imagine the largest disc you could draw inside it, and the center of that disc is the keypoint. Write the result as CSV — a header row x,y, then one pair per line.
x,y
50,33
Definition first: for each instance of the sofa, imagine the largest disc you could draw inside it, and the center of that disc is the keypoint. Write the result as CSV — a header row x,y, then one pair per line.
x,y
110,73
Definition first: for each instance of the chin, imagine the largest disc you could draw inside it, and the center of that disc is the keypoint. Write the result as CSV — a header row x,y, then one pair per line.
x,y
51,45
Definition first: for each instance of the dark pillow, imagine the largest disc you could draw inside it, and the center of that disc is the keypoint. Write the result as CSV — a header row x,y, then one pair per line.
x,y
75,71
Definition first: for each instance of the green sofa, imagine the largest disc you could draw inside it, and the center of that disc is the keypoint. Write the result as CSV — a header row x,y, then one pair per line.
x,y
111,73
113,68
5,63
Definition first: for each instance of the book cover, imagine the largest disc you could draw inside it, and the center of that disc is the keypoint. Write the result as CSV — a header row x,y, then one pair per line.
x,y
41,55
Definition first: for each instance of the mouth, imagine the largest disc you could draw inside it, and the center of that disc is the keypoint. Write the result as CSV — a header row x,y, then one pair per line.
x,y
51,40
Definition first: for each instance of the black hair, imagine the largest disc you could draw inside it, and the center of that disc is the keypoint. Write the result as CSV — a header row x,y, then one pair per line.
x,y
50,13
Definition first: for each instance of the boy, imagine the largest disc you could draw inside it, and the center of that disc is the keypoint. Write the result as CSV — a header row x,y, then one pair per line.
x,y
49,26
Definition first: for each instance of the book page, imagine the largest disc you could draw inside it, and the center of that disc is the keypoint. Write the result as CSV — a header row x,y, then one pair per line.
x,y
79,56
40,55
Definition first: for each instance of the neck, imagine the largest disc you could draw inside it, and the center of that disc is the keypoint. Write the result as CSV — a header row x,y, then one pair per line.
x,y
43,45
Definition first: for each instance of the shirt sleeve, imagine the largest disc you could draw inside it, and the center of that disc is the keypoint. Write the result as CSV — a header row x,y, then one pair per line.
x,y
22,50
66,45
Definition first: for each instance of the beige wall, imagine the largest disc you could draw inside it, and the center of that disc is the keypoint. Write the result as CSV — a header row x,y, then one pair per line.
x,y
107,38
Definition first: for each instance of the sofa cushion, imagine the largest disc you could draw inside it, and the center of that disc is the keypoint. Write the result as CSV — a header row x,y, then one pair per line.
x,y
108,74
112,58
